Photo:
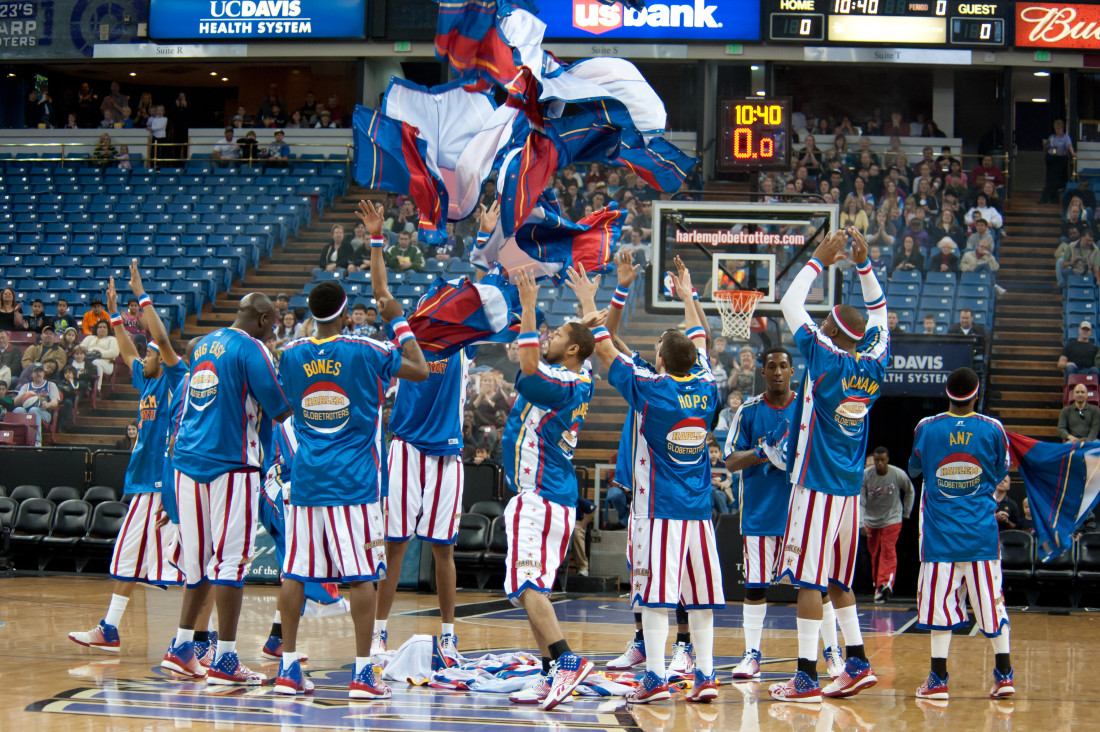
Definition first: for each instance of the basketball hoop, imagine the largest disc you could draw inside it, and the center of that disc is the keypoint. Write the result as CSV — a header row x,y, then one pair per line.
x,y
736,308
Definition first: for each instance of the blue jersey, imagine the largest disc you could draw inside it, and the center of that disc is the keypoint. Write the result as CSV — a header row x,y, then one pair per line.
x,y
338,386
175,412
765,492
541,433
623,458
831,415
145,473
428,414
669,464
963,457
232,392
284,443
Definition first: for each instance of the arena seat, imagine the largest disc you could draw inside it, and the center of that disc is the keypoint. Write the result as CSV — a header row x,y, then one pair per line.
x,y
7,511
471,545
489,509
498,540
70,523
61,493
32,522
104,525
25,492
482,483
97,494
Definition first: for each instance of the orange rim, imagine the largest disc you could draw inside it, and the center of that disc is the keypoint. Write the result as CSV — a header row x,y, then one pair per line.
x,y
740,299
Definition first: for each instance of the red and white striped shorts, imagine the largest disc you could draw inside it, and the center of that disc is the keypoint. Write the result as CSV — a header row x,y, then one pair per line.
x,y
674,560
538,534
822,539
942,590
761,554
218,526
425,495
335,543
144,553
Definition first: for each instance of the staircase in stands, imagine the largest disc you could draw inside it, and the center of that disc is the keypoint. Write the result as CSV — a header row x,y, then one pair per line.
x,y
1025,390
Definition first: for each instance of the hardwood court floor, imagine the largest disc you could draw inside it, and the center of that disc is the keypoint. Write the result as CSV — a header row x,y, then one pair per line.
x,y
49,683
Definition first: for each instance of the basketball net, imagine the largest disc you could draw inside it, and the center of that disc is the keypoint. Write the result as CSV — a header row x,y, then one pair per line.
x,y
736,308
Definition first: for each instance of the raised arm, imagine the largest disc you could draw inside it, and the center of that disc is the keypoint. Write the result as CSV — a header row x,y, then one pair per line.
x,y
153,322
793,303
872,290
487,222
528,331
586,289
371,216
626,271
125,345
694,317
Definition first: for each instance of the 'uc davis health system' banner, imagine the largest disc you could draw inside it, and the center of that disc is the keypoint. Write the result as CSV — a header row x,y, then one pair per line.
x,y
276,19
919,368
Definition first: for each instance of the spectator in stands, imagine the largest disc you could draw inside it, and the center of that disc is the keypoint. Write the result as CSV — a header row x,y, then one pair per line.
x,y
1084,256
946,225
1079,421
982,208
270,102
586,511
38,319
38,397
944,258
158,128
114,101
309,109
404,255
11,359
1059,150
1079,356
144,109
95,314
924,199
879,265
333,105
282,302
881,231
11,310
324,119
227,153
892,322
981,233
7,399
980,259
895,126
128,441
64,319
338,254
359,326
916,229
69,339
102,349
124,158
809,157
132,319
1082,191
108,122
908,256
451,248
853,214
929,324
278,153
746,377
721,482
402,218
490,401
1007,511
72,124
87,106
966,325
104,153
955,180
359,242
987,171
725,417
297,121
289,329
47,349
70,389
250,148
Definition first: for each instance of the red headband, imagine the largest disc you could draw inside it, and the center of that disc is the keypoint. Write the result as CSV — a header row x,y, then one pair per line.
x,y
844,328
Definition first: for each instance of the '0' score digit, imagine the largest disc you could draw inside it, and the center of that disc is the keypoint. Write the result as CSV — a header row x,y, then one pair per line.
x,y
744,147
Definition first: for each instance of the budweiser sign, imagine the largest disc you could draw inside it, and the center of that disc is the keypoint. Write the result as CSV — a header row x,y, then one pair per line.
x,y
1056,25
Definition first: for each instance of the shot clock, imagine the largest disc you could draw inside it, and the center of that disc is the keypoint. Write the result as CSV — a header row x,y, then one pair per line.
x,y
754,134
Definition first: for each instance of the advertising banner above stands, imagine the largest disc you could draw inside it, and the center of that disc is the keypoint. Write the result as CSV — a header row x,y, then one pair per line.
x,y
66,28
1058,25
717,21
920,367
263,19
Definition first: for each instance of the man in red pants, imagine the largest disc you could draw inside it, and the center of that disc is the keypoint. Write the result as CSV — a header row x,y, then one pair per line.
x,y
886,496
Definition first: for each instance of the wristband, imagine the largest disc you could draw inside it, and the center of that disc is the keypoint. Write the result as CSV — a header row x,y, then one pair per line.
x,y
401,330
618,300
528,339
696,332
377,241
483,238
694,294
145,301
816,264
601,334
865,267
116,319
758,451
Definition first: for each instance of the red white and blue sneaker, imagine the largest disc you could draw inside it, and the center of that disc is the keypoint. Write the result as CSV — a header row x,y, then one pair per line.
x,y
378,642
181,659
634,656
683,660
104,637
535,693
566,674
209,649
933,687
229,671
444,652
1003,685
364,686
273,649
834,661
749,668
653,688
704,688
291,681
858,675
800,688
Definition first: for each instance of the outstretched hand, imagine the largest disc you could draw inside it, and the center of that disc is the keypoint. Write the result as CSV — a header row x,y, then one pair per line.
x,y
833,249
625,269
136,285
578,282
112,296
594,319
859,245
487,217
682,280
372,215
528,289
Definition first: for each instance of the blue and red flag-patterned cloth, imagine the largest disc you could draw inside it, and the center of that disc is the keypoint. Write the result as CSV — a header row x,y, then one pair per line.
x,y
458,312
1063,485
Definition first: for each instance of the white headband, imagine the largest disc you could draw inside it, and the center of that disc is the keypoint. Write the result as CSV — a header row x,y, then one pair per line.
x,y
843,326
964,398
334,316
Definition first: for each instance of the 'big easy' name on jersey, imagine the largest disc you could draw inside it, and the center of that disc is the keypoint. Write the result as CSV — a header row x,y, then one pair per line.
x,y
541,433
827,454
669,464
231,393
963,459
765,491
428,414
337,387
146,471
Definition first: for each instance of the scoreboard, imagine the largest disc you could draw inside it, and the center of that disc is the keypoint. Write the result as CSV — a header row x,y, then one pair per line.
x,y
754,134
944,23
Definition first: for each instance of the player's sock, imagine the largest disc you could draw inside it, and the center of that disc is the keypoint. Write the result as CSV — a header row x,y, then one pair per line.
x,y
545,665
184,635
224,647
1001,648
752,620
202,636
639,633
702,628
683,637
558,649
808,632
681,614
379,625
115,610
848,619
828,624
290,657
361,662
655,624
448,628
939,667
277,627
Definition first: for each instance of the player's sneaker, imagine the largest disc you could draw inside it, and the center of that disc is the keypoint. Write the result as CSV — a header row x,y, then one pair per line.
x,y
858,675
933,687
181,659
634,656
566,674
1002,684
683,659
749,668
834,661
653,688
229,671
365,686
273,649
378,642
704,689
878,595
448,646
800,688
536,693
104,637
209,649
441,658
291,681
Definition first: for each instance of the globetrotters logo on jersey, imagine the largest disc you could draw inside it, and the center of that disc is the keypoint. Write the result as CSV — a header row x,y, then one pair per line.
x,y
851,413
959,475
325,407
687,440
202,387
594,17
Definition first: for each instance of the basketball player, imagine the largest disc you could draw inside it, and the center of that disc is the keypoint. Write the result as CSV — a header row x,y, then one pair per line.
x,y
538,445
754,450
964,455
674,553
146,550
334,524
846,362
232,394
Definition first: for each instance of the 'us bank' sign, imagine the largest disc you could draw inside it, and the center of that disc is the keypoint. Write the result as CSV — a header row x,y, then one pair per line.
x,y
687,20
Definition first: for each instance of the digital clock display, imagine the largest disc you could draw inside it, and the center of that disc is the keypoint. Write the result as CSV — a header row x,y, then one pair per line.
x,y
754,134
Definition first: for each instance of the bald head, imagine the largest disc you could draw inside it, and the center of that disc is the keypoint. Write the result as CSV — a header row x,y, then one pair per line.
x,y
256,314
